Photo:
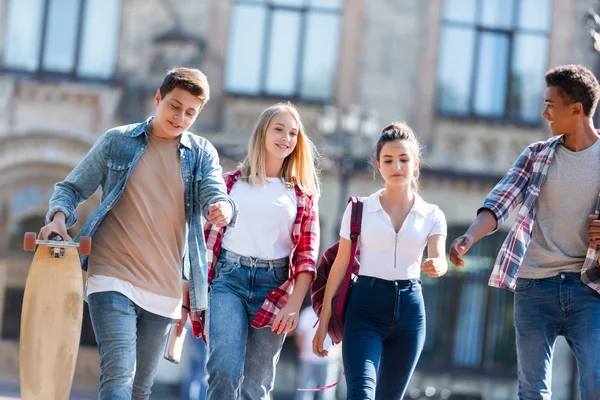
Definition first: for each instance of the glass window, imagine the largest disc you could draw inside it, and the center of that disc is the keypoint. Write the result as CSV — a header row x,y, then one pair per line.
x,y
492,70
283,56
11,315
100,38
460,10
61,35
454,73
498,13
492,58
47,36
527,86
318,67
296,3
291,48
245,49
333,4
535,14
23,34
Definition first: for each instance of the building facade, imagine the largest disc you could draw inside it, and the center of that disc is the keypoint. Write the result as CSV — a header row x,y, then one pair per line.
x,y
466,74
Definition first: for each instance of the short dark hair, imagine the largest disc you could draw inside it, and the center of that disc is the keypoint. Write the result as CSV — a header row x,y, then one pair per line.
x,y
189,79
575,84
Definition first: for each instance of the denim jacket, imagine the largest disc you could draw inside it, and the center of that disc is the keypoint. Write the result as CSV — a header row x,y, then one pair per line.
x,y
109,164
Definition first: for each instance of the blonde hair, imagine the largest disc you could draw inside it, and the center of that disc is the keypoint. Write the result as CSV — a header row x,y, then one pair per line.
x,y
298,168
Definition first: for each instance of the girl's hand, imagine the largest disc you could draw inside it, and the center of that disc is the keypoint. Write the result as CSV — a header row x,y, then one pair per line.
x,y
287,319
434,267
319,339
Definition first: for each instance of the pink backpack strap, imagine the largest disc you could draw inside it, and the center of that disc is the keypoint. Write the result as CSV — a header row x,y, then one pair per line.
x,y
355,225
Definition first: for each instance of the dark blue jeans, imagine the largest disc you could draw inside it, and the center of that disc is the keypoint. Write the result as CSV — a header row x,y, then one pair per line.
x,y
545,309
384,334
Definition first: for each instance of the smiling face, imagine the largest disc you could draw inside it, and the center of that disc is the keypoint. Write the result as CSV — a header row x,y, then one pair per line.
x,y
397,163
562,116
175,113
281,135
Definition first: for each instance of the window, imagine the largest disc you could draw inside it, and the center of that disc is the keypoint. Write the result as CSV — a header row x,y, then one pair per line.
x,y
290,49
492,58
76,38
469,324
11,320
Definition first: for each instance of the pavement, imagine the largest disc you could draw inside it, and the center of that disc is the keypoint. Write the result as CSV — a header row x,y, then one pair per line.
x,y
159,392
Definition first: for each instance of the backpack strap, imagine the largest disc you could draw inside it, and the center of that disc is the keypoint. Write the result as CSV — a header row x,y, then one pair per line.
x,y
355,225
355,219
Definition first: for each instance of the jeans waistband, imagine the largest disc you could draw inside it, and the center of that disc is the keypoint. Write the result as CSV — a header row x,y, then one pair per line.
x,y
563,277
253,261
400,283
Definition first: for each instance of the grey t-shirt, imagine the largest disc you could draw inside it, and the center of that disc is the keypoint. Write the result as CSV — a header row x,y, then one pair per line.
x,y
559,240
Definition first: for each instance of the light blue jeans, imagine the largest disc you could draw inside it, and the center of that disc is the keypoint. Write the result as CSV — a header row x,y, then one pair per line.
x,y
242,359
130,341
545,309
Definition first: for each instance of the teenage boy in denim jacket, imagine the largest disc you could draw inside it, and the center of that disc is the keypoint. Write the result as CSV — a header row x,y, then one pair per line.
x,y
549,258
157,181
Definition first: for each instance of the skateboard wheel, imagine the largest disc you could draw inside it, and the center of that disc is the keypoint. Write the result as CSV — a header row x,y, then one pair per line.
x,y
85,245
29,241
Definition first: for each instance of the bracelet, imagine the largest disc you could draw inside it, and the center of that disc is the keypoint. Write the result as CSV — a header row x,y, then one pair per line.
x,y
186,307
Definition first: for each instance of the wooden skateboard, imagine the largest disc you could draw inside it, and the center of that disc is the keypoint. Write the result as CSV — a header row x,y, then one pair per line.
x,y
51,317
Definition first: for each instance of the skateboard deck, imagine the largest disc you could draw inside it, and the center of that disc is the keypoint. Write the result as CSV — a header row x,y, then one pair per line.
x,y
51,319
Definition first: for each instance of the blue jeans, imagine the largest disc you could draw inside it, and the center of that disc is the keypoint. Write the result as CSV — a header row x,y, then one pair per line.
x,y
545,309
384,334
242,359
130,341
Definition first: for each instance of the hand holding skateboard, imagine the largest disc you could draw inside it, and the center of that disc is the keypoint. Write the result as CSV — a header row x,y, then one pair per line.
x,y
57,226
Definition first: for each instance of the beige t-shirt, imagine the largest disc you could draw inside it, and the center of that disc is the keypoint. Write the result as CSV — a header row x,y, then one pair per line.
x,y
141,240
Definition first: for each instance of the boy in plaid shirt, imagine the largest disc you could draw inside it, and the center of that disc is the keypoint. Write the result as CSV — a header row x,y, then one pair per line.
x,y
549,257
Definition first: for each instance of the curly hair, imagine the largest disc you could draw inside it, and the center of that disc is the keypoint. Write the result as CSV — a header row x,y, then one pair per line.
x,y
575,84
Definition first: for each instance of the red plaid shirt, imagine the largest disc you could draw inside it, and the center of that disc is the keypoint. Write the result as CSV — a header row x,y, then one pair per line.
x,y
305,237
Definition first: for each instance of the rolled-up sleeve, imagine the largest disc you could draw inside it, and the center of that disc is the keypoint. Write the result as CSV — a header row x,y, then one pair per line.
x,y
307,251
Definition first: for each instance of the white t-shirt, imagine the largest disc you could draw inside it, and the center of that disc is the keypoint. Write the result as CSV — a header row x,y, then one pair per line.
x,y
306,329
389,255
266,218
164,306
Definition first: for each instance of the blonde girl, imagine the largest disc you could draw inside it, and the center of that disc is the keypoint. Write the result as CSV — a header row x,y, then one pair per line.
x,y
261,268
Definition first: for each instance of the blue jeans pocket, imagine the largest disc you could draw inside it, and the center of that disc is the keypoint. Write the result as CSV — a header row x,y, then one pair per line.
x,y
224,267
524,284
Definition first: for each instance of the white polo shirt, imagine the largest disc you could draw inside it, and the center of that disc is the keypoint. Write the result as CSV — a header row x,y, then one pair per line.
x,y
389,255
